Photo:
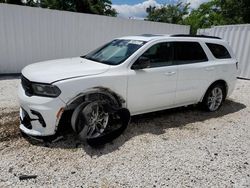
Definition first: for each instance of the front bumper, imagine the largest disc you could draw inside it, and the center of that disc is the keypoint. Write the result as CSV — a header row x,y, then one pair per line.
x,y
39,115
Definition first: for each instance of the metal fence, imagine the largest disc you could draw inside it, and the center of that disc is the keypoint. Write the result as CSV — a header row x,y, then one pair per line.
x,y
29,35
238,36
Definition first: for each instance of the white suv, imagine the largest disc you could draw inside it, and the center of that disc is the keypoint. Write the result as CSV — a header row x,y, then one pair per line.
x,y
96,93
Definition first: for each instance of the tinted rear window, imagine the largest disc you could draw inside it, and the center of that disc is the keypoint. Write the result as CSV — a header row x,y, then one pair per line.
x,y
188,52
219,51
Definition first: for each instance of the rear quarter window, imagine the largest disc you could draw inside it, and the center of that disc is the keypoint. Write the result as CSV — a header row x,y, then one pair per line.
x,y
219,51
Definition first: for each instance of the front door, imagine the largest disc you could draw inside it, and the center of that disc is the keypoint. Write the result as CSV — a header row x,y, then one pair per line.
x,y
153,88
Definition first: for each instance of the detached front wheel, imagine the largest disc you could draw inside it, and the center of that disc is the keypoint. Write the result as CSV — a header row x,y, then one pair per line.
x,y
97,123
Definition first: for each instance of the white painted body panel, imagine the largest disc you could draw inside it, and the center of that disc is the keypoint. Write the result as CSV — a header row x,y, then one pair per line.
x,y
48,107
145,90
238,37
117,80
192,81
54,70
151,89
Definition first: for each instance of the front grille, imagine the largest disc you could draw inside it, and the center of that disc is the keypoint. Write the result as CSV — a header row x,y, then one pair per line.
x,y
26,84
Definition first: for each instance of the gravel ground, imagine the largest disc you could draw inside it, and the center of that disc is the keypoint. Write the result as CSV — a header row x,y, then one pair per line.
x,y
184,147
8,109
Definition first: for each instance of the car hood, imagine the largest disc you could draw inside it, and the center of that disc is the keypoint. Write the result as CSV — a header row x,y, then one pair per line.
x,y
61,69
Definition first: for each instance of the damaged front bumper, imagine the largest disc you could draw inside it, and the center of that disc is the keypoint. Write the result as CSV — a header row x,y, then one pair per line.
x,y
39,116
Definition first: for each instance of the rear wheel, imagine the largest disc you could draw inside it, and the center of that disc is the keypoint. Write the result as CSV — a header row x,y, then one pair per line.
x,y
214,97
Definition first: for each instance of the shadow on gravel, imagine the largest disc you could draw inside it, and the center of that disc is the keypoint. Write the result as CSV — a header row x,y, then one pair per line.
x,y
9,76
9,126
153,123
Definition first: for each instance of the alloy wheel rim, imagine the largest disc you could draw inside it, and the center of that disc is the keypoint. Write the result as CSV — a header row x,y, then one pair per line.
x,y
97,120
215,98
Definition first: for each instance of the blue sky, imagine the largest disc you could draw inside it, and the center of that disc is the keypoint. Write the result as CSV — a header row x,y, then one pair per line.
x,y
136,9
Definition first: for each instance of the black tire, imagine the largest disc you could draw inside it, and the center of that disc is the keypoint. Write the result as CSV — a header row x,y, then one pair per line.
x,y
117,122
211,97
76,117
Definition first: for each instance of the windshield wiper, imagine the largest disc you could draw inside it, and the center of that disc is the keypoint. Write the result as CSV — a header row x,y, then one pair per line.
x,y
98,61
89,58
92,59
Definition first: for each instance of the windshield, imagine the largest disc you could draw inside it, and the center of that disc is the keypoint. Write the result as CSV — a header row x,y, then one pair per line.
x,y
115,52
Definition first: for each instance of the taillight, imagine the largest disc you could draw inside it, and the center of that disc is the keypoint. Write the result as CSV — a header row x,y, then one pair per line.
x,y
237,65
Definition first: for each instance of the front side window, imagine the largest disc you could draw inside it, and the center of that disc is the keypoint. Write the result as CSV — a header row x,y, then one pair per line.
x,y
219,51
188,52
115,52
174,53
160,54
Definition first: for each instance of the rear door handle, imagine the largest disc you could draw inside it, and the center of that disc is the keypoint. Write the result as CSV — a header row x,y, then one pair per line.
x,y
169,73
210,68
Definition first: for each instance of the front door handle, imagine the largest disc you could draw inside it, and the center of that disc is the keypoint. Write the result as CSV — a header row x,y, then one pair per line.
x,y
169,73
210,68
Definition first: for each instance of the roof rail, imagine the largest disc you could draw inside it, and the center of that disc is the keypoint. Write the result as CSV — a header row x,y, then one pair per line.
x,y
150,35
196,36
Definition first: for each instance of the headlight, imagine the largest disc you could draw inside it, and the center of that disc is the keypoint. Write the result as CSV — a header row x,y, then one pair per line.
x,y
45,90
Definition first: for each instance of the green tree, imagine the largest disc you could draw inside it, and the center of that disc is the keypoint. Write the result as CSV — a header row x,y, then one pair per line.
x,y
17,2
219,12
101,7
32,3
246,11
169,14
58,4
206,15
214,12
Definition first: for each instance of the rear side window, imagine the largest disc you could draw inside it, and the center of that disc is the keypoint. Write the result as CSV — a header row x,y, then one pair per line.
x,y
188,52
219,51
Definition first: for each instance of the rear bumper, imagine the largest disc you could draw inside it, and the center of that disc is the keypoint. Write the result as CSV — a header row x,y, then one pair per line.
x,y
231,86
38,115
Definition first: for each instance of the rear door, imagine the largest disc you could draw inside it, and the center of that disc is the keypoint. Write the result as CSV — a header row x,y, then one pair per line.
x,y
194,71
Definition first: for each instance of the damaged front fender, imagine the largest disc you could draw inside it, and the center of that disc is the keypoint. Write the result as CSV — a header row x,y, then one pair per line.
x,y
119,117
93,94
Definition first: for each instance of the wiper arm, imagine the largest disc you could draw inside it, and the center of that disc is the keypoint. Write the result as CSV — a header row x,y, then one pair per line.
x,y
92,59
98,61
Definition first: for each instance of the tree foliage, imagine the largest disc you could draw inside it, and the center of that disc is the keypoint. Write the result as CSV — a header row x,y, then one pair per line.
x,y
17,2
219,12
206,15
169,13
101,7
214,12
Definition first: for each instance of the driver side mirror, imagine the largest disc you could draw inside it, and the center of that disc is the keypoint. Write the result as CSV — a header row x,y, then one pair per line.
x,y
141,63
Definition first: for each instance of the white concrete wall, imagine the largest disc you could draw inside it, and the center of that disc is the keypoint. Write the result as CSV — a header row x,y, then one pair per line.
x,y
238,36
29,35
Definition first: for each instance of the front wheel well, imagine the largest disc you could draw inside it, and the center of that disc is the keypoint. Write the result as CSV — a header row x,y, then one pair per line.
x,y
93,94
97,93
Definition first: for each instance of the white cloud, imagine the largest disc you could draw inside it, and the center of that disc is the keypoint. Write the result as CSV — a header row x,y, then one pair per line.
x,y
135,11
138,11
